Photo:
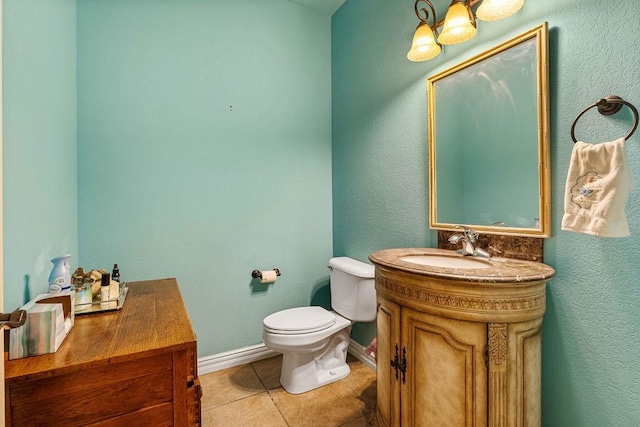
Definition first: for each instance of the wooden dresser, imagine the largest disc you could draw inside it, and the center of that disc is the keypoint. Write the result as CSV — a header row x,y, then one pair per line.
x,y
133,367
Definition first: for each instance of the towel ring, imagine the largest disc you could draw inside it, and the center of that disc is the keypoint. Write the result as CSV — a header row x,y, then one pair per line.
x,y
608,106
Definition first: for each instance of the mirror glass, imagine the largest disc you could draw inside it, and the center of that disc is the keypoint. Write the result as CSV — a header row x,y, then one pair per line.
x,y
489,140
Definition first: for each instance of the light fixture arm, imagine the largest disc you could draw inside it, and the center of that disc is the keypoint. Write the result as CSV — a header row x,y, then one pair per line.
x,y
421,11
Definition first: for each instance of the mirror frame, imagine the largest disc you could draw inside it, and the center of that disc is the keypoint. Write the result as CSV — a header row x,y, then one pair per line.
x,y
539,33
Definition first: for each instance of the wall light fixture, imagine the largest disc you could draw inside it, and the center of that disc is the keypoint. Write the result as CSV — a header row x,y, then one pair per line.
x,y
459,24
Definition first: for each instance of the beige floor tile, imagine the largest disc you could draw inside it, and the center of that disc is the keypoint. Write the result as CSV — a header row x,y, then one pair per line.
x,y
229,385
236,397
362,380
252,411
368,420
269,371
329,406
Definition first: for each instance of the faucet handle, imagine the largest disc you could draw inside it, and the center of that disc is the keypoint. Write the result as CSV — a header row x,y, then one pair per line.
x,y
469,233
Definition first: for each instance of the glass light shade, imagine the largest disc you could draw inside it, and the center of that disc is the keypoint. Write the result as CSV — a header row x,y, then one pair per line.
x,y
457,25
424,45
495,10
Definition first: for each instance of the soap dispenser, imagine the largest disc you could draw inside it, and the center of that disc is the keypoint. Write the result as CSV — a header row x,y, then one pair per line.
x,y
60,277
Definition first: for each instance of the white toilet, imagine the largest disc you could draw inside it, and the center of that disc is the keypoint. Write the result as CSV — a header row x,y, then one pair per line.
x,y
314,341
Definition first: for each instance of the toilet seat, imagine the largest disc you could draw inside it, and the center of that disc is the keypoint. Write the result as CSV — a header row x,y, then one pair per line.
x,y
299,320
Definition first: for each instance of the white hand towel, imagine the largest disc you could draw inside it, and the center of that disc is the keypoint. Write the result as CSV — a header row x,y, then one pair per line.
x,y
598,186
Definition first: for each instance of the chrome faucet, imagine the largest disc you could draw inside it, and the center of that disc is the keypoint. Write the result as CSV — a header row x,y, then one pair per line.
x,y
468,239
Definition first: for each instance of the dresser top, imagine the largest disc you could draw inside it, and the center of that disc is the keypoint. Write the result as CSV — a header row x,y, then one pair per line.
x,y
153,320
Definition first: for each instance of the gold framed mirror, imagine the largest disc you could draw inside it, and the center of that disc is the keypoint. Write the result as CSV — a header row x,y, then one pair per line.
x,y
489,140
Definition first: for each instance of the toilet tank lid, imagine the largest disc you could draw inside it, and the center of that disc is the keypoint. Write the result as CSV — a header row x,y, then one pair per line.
x,y
353,267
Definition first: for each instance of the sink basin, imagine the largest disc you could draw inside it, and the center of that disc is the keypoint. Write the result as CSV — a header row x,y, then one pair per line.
x,y
446,261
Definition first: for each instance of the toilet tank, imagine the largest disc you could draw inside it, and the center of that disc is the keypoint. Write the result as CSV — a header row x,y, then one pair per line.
x,y
353,292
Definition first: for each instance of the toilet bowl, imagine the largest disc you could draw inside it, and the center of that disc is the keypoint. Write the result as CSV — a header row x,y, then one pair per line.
x,y
314,341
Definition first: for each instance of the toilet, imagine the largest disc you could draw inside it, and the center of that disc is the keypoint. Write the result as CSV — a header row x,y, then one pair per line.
x,y
314,341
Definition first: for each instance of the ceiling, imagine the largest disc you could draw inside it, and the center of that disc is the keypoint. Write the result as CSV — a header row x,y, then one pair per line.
x,y
328,7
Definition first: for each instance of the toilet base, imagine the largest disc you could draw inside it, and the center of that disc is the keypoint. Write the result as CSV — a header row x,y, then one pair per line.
x,y
305,371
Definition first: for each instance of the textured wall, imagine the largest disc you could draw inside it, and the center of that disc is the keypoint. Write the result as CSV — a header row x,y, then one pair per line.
x,y
591,368
204,152
39,143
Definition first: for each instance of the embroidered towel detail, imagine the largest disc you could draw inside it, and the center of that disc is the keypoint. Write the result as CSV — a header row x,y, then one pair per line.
x,y
598,186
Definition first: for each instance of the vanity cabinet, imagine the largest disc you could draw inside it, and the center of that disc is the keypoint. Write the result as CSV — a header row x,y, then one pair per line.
x,y
459,348
136,367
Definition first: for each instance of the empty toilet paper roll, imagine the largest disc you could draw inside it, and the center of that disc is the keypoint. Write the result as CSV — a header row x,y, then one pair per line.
x,y
268,276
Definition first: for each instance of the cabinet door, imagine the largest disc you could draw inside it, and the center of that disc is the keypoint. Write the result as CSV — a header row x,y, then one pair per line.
x,y
446,372
388,324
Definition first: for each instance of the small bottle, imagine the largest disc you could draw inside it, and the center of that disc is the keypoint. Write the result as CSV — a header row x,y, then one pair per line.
x,y
115,275
105,283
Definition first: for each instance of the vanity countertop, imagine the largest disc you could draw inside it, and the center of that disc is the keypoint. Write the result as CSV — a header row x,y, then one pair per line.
x,y
494,270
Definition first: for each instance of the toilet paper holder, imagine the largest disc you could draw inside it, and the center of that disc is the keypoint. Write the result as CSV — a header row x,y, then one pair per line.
x,y
257,274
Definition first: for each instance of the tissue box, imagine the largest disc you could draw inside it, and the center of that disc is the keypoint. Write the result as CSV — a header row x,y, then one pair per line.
x,y
50,317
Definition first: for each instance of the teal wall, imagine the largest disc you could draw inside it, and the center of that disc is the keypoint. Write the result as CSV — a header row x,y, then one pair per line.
x,y
39,143
591,368
204,152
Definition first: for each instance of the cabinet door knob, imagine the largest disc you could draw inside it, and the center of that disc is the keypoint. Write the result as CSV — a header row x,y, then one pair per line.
x,y
395,364
403,365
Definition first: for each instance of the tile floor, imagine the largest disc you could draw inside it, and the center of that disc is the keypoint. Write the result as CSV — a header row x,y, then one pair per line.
x,y
251,395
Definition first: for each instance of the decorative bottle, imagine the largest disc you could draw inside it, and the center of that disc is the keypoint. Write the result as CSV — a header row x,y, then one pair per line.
x,y
115,275
105,284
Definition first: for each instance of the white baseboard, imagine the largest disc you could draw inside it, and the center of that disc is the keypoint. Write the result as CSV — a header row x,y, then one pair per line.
x,y
357,350
229,359
241,356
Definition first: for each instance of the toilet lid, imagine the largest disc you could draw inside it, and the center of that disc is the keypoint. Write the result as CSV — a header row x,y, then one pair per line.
x,y
299,320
